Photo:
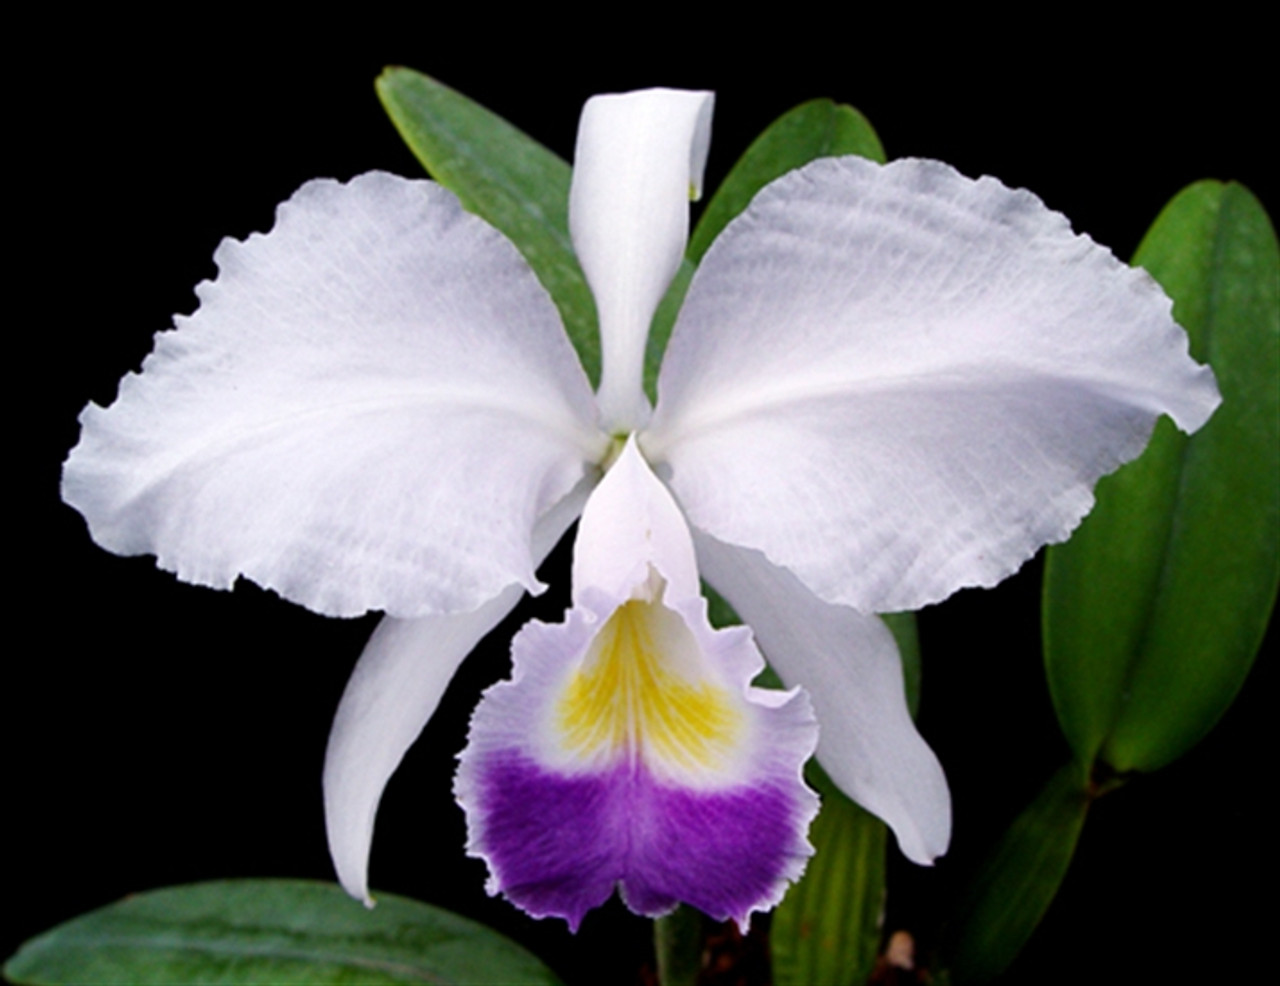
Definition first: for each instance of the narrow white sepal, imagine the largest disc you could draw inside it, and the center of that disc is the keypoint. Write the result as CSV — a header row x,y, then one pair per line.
x,y
896,381
639,157
392,694
849,665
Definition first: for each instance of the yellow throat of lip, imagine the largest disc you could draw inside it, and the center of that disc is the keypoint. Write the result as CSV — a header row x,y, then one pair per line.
x,y
643,692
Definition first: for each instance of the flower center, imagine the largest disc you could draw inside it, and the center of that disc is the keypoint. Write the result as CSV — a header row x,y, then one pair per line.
x,y
616,444
642,693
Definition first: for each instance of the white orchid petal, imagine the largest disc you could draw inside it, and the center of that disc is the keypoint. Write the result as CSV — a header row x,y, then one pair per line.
x,y
392,694
848,664
896,381
371,408
639,157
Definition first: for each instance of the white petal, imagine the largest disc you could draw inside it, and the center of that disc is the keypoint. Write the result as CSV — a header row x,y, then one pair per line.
x,y
848,663
371,408
640,155
895,381
392,693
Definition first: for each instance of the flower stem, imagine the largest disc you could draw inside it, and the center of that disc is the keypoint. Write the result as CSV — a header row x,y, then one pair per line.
x,y
677,940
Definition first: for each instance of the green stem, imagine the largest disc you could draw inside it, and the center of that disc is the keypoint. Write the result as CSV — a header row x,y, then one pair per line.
x,y
677,940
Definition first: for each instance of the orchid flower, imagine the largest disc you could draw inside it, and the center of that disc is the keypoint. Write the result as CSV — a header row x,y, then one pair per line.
x,y
886,383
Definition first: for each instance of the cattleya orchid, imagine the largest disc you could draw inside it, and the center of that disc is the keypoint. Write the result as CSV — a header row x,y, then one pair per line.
x,y
886,383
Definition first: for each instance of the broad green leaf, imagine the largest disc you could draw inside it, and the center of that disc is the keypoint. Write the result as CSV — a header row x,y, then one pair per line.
x,y
827,928
505,177
1000,908
1155,609
818,128
271,931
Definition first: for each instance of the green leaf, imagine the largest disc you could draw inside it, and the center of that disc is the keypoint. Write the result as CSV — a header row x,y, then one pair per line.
x,y
271,931
827,928
818,128
1000,907
1154,610
505,177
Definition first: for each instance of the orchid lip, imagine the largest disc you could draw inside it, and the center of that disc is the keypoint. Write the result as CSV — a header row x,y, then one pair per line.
x,y
630,749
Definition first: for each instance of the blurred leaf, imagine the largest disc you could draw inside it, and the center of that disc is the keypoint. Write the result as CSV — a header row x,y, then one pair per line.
x,y
271,931
505,177
1156,607
1000,907
827,928
818,128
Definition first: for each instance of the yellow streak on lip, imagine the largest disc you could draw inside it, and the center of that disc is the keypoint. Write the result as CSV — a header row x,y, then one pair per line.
x,y
628,697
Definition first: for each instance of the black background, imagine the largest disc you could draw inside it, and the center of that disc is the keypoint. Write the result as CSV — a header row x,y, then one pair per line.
x,y
157,733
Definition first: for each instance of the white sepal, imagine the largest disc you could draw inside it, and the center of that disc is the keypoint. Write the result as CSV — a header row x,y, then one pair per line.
x,y
390,697
639,157
848,664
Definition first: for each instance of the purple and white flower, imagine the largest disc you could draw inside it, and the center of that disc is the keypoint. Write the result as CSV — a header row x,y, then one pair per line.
x,y
885,384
